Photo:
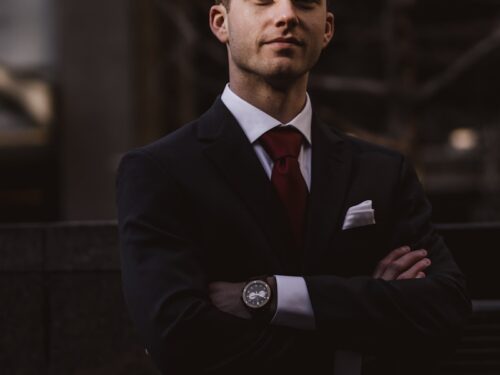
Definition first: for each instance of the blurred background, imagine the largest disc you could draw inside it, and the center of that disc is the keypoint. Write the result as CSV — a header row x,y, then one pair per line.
x,y
83,81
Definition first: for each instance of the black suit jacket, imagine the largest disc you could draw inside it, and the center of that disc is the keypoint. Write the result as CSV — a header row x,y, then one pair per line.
x,y
196,207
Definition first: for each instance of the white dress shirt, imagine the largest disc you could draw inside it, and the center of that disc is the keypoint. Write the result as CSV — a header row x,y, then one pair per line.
x,y
294,307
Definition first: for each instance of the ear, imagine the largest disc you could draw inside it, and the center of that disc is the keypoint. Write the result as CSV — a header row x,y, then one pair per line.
x,y
218,22
329,29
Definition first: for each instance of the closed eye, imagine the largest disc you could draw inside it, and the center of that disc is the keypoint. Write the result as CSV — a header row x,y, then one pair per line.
x,y
308,4
263,2
300,3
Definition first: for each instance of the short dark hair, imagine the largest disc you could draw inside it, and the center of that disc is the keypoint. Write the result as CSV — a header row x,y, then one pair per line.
x,y
223,2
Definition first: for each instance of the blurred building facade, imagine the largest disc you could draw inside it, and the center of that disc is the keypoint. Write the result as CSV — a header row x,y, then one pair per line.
x,y
414,75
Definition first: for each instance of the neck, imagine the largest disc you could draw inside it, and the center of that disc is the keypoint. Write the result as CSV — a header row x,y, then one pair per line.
x,y
282,102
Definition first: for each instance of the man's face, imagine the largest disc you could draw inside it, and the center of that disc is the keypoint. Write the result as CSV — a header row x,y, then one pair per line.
x,y
275,39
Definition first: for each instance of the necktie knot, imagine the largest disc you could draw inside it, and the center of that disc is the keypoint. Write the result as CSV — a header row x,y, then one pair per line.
x,y
282,142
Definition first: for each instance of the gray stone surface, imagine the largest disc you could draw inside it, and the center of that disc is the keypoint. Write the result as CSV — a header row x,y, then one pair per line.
x,y
21,248
95,78
90,329
22,324
82,247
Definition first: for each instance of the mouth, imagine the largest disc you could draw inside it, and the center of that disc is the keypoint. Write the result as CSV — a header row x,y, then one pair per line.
x,y
286,41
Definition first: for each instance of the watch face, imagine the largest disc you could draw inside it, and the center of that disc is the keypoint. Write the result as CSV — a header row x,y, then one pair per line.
x,y
256,294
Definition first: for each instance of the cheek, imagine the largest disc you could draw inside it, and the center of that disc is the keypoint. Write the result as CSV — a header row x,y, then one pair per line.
x,y
241,36
318,42
243,25
239,47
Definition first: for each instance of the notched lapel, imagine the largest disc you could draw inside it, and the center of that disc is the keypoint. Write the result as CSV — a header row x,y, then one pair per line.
x,y
331,170
230,151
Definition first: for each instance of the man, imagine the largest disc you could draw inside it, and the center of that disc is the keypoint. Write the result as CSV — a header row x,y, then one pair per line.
x,y
258,240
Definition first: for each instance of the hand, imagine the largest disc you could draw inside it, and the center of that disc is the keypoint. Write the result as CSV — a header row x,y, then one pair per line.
x,y
402,264
227,297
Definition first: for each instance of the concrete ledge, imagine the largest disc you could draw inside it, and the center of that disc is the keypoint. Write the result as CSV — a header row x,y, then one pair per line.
x,y
62,310
82,247
21,248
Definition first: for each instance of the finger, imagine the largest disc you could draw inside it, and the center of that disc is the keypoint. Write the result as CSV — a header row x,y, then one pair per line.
x,y
392,256
403,264
415,270
421,275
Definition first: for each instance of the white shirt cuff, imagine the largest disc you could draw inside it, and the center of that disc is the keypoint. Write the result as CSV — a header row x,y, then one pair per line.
x,y
294,307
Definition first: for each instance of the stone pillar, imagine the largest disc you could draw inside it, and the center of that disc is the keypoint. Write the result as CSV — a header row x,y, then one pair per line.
x,y
96,107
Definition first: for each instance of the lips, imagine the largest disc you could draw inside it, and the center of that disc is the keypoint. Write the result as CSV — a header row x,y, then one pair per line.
x,y
286,40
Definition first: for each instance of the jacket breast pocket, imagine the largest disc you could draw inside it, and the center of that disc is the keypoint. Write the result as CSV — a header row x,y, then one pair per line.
x,y
358,233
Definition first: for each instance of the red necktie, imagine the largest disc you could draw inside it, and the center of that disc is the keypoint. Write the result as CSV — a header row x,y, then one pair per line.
x,y
283,145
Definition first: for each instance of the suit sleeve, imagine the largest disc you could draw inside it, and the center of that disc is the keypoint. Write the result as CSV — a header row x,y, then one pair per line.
x,y
165,284
420,315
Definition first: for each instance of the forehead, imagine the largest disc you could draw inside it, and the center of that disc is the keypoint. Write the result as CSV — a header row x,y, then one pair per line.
x,y
327,2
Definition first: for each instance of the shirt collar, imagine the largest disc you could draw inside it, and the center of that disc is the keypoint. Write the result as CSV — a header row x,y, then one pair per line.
x,y
256,122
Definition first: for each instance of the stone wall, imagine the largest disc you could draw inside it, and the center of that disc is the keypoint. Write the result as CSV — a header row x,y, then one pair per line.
x,y
62,310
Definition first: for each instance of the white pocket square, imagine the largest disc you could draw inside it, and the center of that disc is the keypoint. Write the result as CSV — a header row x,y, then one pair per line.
x,y
360,215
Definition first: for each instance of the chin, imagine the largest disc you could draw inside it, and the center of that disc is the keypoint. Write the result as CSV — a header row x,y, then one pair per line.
x,y
284,75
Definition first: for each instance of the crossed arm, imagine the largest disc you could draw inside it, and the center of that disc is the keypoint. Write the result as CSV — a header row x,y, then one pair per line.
x,y
400,264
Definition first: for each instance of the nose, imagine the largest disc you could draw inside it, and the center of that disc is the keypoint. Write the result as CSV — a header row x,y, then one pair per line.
x,y
286,14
